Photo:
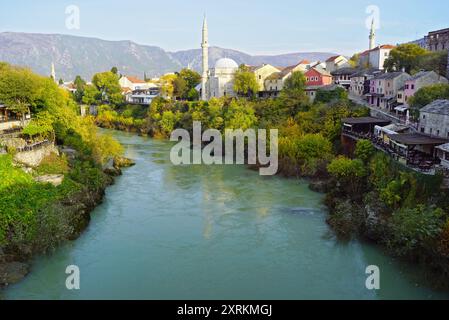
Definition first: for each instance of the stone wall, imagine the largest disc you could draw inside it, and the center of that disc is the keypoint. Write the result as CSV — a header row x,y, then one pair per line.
x,y
35,157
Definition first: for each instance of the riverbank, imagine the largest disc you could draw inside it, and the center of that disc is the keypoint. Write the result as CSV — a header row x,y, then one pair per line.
x,y
62,216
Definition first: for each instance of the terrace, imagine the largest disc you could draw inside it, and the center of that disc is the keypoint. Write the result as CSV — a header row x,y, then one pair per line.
x,y
414,150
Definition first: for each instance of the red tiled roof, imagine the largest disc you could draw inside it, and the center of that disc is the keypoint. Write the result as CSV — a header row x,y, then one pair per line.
x,y
134,79
304,62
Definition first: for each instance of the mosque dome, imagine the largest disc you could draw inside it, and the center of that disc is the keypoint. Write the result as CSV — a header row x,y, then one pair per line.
x,y
226,63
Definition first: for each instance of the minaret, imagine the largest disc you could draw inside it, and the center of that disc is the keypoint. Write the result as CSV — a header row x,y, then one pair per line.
x,y
53,72
205,46
372,37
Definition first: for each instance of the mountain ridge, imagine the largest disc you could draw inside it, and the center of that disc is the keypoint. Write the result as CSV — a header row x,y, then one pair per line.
x,y
85,56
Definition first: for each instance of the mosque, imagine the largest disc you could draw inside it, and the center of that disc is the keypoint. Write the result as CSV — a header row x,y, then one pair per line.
x,y
218,81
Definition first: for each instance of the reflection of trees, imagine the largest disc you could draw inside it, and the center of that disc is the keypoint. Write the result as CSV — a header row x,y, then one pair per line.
x,y
226,190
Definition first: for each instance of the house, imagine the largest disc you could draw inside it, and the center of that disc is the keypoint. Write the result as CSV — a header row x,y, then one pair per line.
x,y
360,81
262,73
442,152
69,86
141,96
434,119
318,76
419,80
384,89
274,83
375,58
336,62
133,83
342,77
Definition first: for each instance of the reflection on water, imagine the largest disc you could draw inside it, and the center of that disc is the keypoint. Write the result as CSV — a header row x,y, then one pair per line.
x,y
212,232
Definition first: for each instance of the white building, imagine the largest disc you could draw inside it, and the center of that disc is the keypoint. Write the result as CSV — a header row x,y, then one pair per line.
x,y
220,81
137,91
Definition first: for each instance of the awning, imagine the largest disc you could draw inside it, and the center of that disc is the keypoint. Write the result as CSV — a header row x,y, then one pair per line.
x,y
401,108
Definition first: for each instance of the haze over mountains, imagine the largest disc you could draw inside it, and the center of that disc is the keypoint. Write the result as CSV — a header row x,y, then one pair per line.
x,y
86,56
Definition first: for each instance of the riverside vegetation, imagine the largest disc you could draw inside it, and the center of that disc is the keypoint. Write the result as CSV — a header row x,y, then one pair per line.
x,y
37,217
369,195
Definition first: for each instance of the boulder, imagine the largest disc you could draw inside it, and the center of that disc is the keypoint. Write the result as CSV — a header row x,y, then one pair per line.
x,y
54,179
122,162
12,272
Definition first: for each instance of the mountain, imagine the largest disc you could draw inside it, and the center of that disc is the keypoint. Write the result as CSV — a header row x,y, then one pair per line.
x,y
86,56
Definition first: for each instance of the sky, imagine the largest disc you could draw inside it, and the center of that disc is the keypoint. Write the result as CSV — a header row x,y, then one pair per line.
x,y
252,26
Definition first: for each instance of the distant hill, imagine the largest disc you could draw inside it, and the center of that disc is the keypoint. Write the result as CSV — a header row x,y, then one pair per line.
x,y
86,56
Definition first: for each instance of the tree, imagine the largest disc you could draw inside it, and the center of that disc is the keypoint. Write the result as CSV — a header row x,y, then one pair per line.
x,y
364,150
428,94
19,89
245,82
349,174
180,87
192,78
328,96
80,85
355,60
293,94
405,56
91,95
108,84
114,70
167,85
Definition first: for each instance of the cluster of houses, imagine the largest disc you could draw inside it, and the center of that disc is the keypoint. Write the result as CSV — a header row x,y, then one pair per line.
x,y
424,149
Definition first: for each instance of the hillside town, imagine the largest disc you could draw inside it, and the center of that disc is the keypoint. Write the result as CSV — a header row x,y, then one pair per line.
x,y
420,141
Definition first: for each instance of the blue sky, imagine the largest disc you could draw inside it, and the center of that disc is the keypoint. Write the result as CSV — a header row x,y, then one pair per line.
x,y
253,26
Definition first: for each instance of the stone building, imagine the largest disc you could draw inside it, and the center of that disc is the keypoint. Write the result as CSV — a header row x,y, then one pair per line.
x,y
434,119
438,40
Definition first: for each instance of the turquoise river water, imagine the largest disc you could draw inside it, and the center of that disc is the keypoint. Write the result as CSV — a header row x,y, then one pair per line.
x,y
212,232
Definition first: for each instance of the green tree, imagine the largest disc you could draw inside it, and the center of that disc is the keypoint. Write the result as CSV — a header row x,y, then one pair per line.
x,y
91,95
328,96
428,94
192,78
245,82
108,84
80,85
114,70
349,174
405,56
364,150
293,94
180,87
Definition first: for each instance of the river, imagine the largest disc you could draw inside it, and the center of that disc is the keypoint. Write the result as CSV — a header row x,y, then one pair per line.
x,y
212,232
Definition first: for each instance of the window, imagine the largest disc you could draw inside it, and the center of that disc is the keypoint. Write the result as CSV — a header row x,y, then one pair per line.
x,y
438,132
260,77
413,87
424,116
431,130
423,129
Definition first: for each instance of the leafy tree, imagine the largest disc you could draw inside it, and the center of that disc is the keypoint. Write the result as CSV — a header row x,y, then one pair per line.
x,y
436,61
405,56
114,70
364,150
192,78
328,96
180,87
415,229
80,85
428,94
91,95
167,85
355,60
349,174
293,94
245,82
108,84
